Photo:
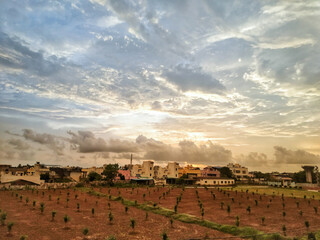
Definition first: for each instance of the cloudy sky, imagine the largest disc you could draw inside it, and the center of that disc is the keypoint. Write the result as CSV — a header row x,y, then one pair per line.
x,y
204,82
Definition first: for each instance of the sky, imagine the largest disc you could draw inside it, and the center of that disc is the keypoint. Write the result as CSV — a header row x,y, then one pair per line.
x,y
197,82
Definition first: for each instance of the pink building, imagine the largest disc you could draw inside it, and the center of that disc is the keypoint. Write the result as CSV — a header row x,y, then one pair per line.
x,y
210,172
123,175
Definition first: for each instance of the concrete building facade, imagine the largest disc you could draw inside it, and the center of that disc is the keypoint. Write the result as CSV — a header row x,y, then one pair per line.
x,y
240,172
173,170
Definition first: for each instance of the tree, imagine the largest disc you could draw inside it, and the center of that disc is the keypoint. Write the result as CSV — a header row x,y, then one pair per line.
x,y
93,176
110,172
23,237
45,177
226,172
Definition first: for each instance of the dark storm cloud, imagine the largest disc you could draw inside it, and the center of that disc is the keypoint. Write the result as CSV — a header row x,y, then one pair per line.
x,y
187,151
19,144
86,142
286,156
49,140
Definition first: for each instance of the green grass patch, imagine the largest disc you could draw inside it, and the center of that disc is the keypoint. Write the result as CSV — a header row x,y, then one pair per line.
x,y
268,190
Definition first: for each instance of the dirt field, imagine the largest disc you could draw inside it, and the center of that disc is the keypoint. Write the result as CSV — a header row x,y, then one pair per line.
x,y
37,226
274,219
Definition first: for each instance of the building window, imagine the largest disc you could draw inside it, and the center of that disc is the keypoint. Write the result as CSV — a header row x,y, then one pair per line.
x,y
244,172
205,181
228,181
150,168
176,169
214,182
225,181
150,174
176,175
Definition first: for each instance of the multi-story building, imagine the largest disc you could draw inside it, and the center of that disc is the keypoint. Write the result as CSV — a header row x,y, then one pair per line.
x,y
240,172
173,170
160,172
189,171
210,172
147,169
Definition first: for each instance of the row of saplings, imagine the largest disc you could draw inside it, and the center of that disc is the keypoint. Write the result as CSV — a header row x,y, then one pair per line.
x,y
66,218
248,209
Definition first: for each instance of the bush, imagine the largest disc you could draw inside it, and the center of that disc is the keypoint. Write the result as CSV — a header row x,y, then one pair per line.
x,y
23,237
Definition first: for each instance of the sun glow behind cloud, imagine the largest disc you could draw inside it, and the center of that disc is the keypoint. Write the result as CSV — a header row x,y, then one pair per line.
x,y
244,77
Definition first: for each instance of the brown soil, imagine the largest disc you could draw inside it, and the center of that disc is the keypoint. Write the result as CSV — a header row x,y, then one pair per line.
x,y
274,220
37,226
